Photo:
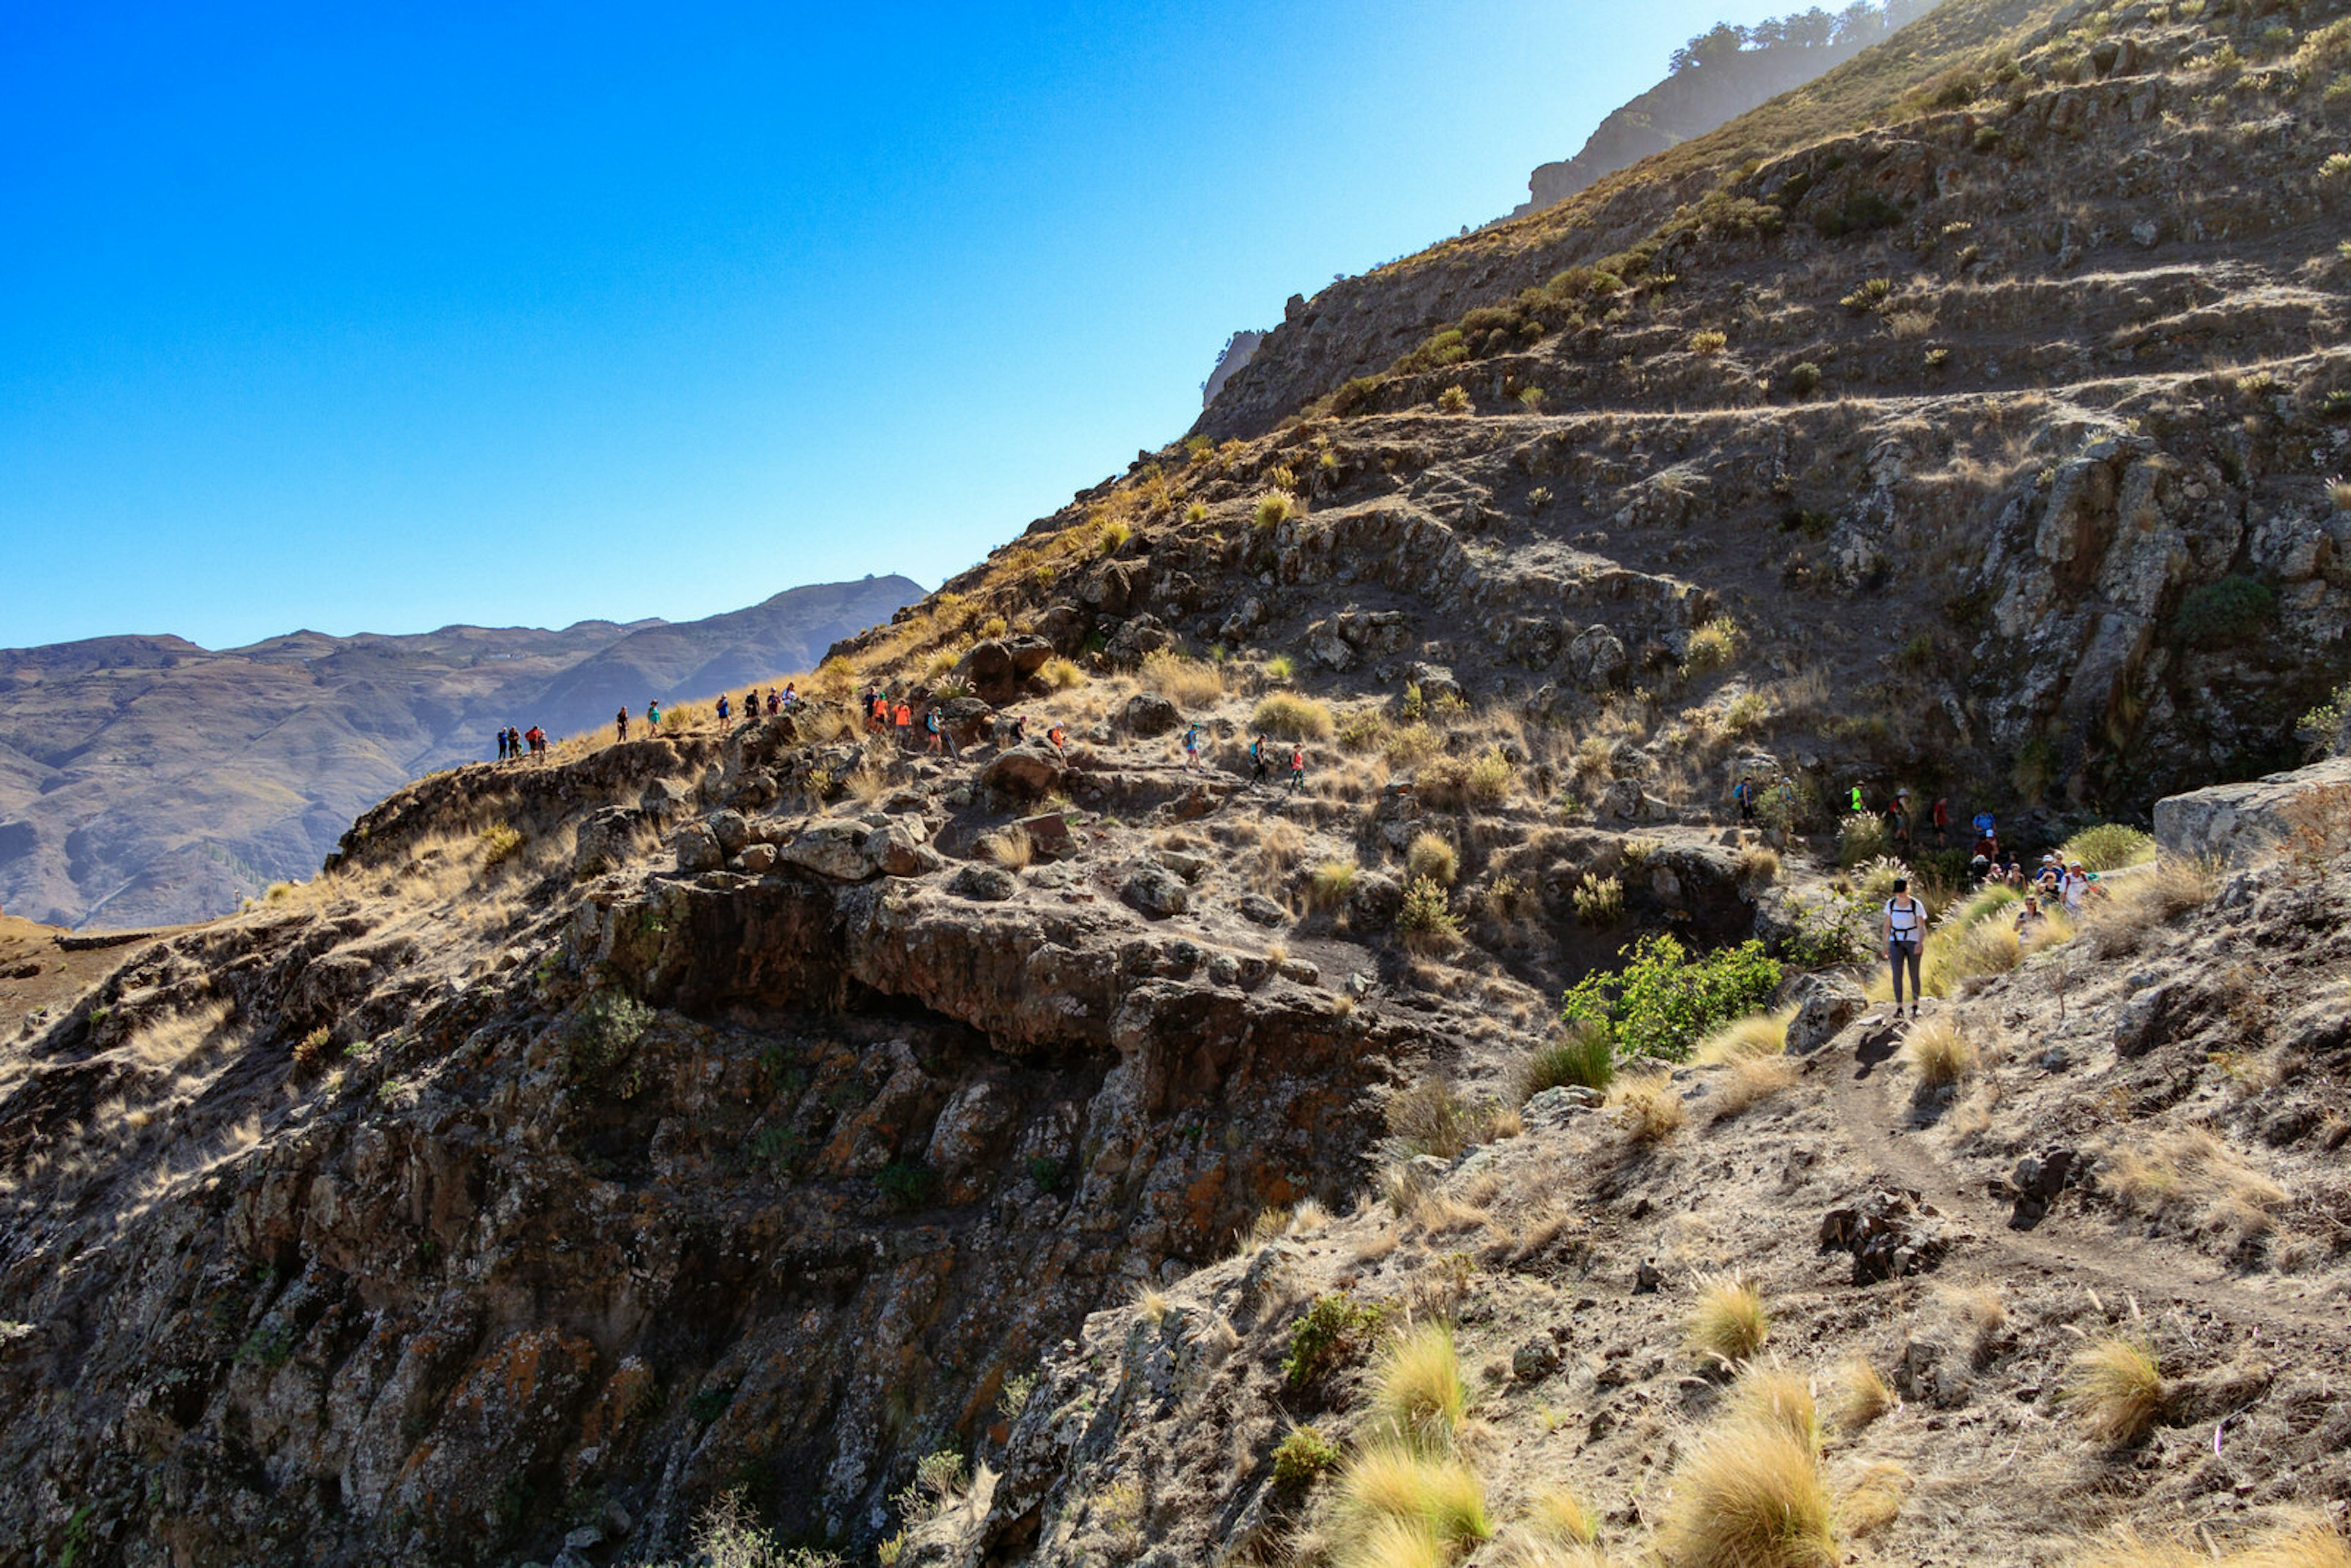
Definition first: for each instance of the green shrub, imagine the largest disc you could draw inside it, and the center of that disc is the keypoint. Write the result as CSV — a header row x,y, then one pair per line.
x,y
2109,846
1302,1455
1334,1328
499,842
602,1034
1986,137
1804,379
1292,718
1426,922
1274,506
1014,1397
1661,1001
1490,779
1357,396
1453,400
1581,1057
1711,646
2223,611
1046,1172
1281,667
1708,342
2326,728
907,1184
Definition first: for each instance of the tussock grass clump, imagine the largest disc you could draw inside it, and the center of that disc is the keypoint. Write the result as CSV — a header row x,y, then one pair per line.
x,y
1875,1500
1939,1053
1395,1502
1861,839
1751,1082
1861,1395
2308,1542
1011,848
2187,1176
1745,1039
1775,1396
1749,1495
1648,1109
2109,846
1581,1057
2117,1389
1331,881
1558,1514
1453,400
1599,901
1061,674
1418,1398
1187,682
499,842
1728,1321
1758,863
1292,718
1274,508
1388,1542
1489,778
1433,858
1431,1118
1708,342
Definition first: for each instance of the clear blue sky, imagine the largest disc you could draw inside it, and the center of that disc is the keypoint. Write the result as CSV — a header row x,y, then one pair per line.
x,y
378,318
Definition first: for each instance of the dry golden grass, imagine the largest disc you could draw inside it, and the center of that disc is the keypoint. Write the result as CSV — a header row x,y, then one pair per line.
x,y
2188,1177
1292,717
1758,864
1749,1083
1748,1496
1557,1515
1061,674
1150,1303
1418,1398
1938,1053
2116,1388
1391,1496
1742,1040
1190,683
1011,848
1861,1395
2309,1542
1728,1321
1330,884
1648,1109
1434,858
1875,1498
1775,1396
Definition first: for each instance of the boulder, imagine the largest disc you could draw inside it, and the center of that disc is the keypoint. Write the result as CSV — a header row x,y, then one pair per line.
x,y
832,848
987,884
758,859
1596,658
1157,892
1437,684
1258,909
605,840
1372,901
732,830
898,850
697,848
1834,1003
1137,640
2241,822
1534,1361
1028,654
1148,713
1025,772
973,1126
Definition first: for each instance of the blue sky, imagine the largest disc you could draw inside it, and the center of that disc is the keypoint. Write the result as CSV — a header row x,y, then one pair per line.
x,y
381,318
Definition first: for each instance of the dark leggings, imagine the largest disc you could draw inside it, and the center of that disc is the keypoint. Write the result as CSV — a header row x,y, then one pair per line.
x,y
1900,953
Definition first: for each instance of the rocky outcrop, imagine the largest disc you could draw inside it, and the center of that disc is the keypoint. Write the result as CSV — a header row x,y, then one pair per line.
x,y
2240,822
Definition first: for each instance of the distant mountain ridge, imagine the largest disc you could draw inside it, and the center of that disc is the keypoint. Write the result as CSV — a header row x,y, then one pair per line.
x,y
147,780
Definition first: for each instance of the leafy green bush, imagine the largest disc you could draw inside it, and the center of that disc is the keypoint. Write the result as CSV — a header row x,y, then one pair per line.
x,y
602,1034
1302,1455
1582,1057
1711,646
2223,611
1453,400
2109,846
1335,1327
1822,936
1804,379
1662,1000
2326,728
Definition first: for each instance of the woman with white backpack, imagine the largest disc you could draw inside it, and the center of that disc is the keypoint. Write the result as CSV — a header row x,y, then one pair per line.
x,y
1906,938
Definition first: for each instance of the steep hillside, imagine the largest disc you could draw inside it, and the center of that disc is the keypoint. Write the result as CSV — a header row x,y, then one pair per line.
x,y
146,781
1721,73
1479,1146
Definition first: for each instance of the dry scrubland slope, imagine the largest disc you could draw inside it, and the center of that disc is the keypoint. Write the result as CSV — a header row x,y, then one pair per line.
x,y
146,781
767,1114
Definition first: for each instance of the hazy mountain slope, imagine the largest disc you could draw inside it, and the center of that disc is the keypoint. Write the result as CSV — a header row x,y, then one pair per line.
x,y
146,779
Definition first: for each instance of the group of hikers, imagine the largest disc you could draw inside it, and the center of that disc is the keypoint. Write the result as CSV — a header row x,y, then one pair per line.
x,y
513,745
894,717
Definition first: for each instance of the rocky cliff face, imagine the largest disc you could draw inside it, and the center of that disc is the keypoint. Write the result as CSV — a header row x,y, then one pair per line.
x,y
452,1203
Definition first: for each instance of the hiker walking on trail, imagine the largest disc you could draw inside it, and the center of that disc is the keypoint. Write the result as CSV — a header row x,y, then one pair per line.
x,y
723,710
1897,823
2071,884
1020,731
933,732
903,721
792,698
1191,748
1744,793
538,738
2030,919
1854,799
1258,767
621,724
1296,768
652,717
1905,935
1939,817
503,748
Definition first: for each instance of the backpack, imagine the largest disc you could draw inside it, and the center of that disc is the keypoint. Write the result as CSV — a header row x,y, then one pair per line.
x,y
1906,923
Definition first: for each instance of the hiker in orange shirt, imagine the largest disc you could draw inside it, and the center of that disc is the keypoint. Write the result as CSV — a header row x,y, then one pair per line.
x,y
904,721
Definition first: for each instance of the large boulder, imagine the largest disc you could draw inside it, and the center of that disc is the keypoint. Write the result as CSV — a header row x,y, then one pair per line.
x,y
2240,822
1028,654
988,669
697,848
898,850
605,840
1831,1003
1596,658
1157,892
1028,772
1148,713
1137,640
834,849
